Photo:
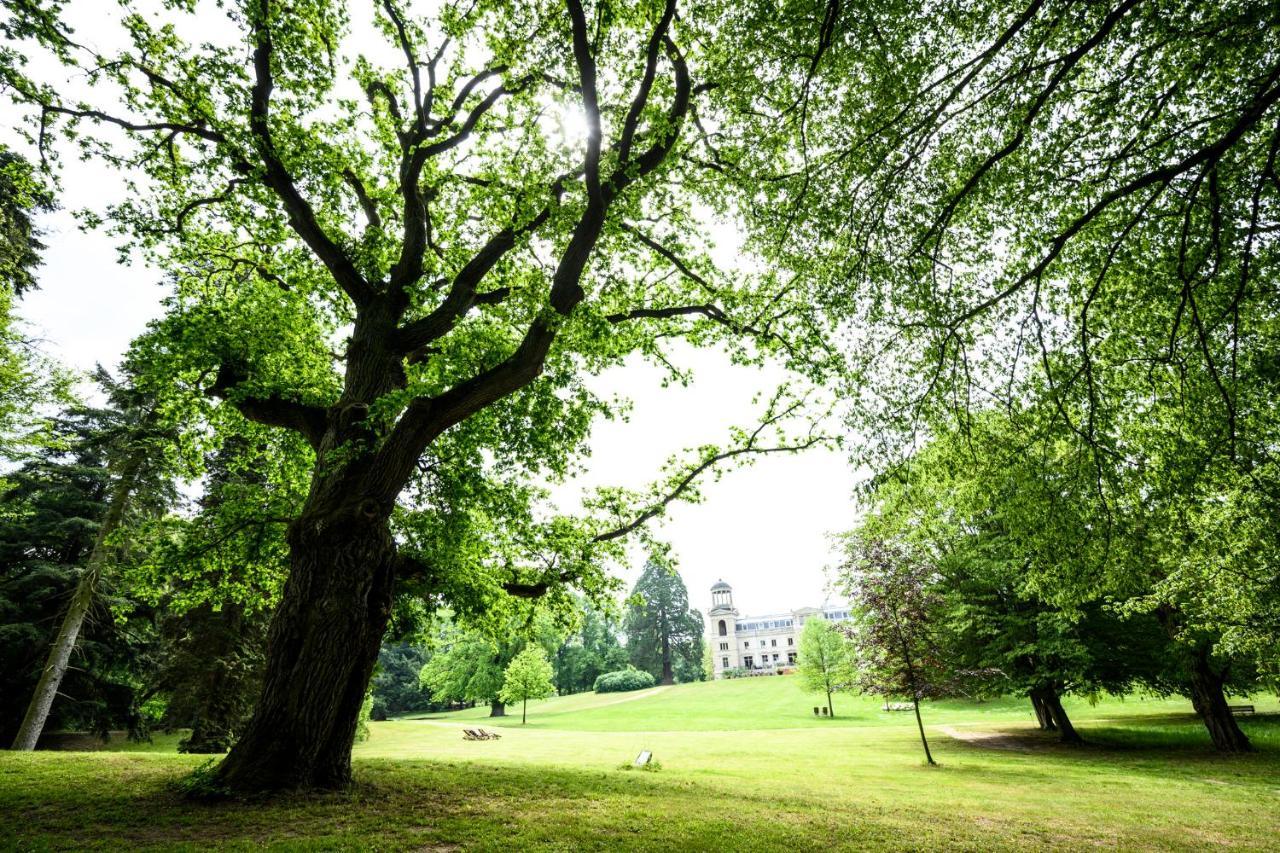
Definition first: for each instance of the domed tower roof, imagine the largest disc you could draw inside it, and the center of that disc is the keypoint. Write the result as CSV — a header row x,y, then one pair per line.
x,y
718,585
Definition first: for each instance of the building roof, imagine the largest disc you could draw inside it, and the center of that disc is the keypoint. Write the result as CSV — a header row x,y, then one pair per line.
x,y
718,585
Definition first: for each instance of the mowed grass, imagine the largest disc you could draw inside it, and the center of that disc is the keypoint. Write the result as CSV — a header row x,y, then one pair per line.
x,y
778,702
733,776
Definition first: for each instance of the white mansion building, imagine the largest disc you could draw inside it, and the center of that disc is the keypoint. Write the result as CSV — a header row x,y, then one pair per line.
x,y
757,642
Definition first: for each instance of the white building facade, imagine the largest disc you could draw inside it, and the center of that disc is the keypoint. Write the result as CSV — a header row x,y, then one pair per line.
x,y
757,643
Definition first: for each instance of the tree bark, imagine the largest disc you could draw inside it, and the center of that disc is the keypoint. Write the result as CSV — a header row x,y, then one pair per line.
x,y
322,648
524,711
831,712
1043,718
1210,702
915,701
1058,716
668,675
81,601
497,709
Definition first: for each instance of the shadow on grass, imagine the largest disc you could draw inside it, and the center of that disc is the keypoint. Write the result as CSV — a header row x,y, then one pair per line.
x,y
1167,744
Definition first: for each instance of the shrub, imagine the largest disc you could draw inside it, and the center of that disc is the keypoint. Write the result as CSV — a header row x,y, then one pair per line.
x,y
622,680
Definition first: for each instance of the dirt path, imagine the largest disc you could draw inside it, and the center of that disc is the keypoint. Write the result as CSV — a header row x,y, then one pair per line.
x,y
991,740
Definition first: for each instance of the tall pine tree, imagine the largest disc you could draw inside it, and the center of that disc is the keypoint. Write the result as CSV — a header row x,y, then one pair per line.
x,y
663,635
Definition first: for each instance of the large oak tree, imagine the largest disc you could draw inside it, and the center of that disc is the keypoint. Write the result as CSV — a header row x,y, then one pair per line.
x,y
410,256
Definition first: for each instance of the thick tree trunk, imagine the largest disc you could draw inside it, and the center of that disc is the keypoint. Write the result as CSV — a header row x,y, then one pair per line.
x,y
322,648
497,709
1058,716
1043,718
1210,702
831,712
668,675
64,644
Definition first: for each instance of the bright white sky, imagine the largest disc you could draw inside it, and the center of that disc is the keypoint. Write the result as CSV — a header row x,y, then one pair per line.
x,y
764,529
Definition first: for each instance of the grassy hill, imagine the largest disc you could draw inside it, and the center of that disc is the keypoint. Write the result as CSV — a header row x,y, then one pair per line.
x,y
755,704
743,764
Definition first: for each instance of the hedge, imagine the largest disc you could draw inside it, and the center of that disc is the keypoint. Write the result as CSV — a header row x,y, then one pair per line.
x,y
622,680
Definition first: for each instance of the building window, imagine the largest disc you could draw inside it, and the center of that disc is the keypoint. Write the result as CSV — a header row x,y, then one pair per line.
x,y
724,663
724,630
724,647
773,642
791,657
775,657
746,661
746,644
791,641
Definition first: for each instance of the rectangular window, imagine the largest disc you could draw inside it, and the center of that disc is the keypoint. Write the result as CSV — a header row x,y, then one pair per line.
x,y
724,647
746,661
746,644
791,641
791,657
724,663
773,642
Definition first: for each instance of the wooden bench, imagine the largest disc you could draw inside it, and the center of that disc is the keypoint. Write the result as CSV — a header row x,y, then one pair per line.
x,y
1241,710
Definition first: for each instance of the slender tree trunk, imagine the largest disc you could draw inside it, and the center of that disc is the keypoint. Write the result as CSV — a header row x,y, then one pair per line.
x,y
1210,703
64,644
1043,718
920,725
831,712
497,709
322,648
524,711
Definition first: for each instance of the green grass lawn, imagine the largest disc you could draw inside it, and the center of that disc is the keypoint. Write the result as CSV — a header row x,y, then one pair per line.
x,y
744,765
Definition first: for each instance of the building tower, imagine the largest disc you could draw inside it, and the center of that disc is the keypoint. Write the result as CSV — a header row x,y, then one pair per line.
x,y
722,629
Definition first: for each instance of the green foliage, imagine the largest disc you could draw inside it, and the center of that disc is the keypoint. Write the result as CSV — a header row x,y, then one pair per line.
x,y
528,676
623,680
23,195
50,512
469,664
362,722
397,687
664,636
1017,563
824,664
590,650
29,382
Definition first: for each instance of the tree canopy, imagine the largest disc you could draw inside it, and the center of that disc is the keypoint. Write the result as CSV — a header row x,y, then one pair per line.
x,y
664,636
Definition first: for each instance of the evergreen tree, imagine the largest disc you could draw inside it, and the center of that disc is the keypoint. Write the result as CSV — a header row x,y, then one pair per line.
x,y
663,634
60,524
397,686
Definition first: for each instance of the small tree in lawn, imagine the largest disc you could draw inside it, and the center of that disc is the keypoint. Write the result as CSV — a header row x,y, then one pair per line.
x,y
528,677
895,651
825,664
